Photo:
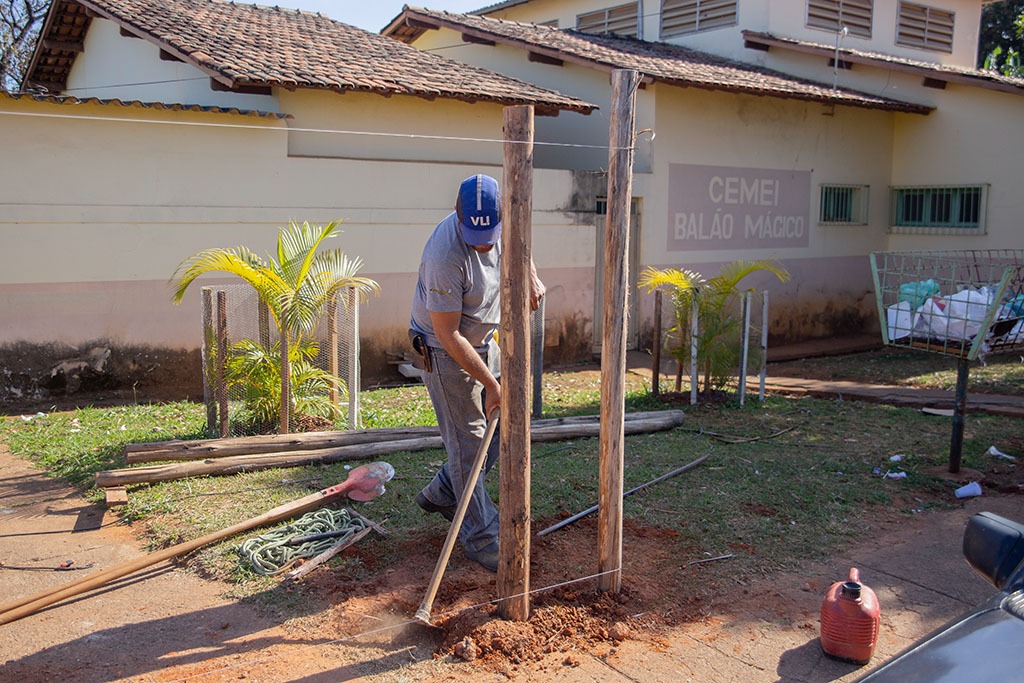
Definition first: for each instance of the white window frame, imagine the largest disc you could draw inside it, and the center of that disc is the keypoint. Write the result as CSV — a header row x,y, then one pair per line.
x,y
944,200
610,19
934,32
833,196
832,15
686,17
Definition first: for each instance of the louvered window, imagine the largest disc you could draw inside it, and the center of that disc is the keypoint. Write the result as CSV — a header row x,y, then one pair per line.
x,y
622,20
925,27
833,15
957,209
680,17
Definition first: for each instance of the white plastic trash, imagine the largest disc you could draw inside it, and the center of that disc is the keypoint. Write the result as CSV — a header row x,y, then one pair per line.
x,y
900,319
969,490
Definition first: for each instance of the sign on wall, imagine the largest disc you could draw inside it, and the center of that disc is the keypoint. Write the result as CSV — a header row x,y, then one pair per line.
x,y
718,207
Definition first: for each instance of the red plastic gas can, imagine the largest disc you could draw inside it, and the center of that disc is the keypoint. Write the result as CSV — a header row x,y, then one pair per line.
x,y
850,617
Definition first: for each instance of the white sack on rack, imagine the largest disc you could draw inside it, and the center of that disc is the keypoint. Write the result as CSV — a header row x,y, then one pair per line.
x,y
900,319
958,316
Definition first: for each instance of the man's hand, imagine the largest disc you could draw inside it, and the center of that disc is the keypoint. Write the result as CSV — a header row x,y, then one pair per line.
x,y
537,289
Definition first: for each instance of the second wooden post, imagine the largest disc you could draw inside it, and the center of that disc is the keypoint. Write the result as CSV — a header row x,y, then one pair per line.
x,y
514,340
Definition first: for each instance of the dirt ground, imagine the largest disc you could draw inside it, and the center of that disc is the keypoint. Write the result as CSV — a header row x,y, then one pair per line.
x,y
679,616
166,625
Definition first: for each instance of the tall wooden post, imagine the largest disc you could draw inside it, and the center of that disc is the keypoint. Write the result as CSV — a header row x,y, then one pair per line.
x,y
210,354
286,383
514,340
332,345
222,362
613,348
656,347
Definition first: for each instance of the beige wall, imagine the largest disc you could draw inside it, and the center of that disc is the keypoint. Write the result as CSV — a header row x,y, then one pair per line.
x,y
98,213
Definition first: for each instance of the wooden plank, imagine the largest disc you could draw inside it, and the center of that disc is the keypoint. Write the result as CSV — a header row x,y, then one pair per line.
x,y
222,361
200,449
613,348
514,500
116,496
243,463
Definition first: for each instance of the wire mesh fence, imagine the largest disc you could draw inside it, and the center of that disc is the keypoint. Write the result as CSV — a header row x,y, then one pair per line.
x,y
241,365
960,303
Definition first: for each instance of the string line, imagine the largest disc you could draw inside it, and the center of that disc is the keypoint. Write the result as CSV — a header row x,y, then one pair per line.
x,y
409,136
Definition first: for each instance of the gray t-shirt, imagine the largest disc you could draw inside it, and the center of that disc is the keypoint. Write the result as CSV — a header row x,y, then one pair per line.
x,y
455,277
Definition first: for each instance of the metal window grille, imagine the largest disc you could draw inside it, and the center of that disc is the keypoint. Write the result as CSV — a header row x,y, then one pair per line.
x,y
834,15
928,28
336,335
680,17
939,210
622,20
843,205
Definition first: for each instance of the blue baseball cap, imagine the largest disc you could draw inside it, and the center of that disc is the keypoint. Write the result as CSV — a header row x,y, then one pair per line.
x,y
479,210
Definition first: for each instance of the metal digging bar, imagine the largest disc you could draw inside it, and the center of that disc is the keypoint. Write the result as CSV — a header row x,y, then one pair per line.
x,y
964,304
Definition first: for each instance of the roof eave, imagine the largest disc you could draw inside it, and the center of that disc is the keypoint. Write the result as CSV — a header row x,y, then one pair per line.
x,y
937,74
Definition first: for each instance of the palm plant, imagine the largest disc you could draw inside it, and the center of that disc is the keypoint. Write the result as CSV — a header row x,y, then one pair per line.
x,y
295,286
257,370
718,328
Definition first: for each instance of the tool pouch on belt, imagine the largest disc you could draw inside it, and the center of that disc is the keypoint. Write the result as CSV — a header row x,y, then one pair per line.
x,y
419,345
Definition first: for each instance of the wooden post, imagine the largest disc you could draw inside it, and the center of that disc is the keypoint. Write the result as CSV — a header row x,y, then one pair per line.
x,y
263,313
656,347
209,361
694,331
613,347
286,383
764,344
222,362
514,510
332,344
744,347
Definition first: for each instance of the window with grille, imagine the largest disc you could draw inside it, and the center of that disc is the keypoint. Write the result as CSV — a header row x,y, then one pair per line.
x,y
622,20
833,15
680,17
925,27
843,205
956,210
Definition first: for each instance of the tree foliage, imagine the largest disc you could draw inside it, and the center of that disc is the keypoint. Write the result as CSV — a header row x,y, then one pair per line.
x,y
20,21
1001,35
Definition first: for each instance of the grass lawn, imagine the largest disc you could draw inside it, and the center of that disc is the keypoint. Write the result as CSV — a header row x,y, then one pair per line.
x,y
788,480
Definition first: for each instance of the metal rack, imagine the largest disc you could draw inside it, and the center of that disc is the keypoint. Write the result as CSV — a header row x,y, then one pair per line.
x,y
964,304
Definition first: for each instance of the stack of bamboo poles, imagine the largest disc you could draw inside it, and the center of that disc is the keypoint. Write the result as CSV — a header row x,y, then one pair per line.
x,y
211,457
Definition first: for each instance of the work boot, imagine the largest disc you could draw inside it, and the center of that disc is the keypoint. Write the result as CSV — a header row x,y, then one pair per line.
x,y
446,511
486,557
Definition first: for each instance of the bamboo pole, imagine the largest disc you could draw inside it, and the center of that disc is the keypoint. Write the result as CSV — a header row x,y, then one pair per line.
x,y
613,348
286,381
514,452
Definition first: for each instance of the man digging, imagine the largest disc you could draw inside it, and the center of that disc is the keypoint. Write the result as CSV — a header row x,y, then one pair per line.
x,y
455,313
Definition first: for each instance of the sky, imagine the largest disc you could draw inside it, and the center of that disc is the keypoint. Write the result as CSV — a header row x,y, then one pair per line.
x,y
371,15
